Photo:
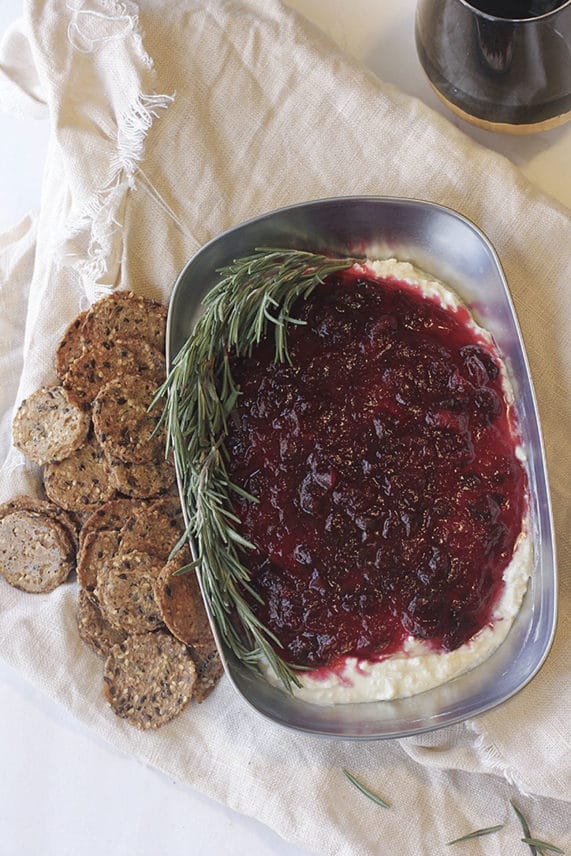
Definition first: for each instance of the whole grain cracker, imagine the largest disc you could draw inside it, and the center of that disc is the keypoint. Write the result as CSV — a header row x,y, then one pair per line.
x,y
48,426
181,604
125,592
105,359
154,528
42,506
82,481
93,629
123,423
98,549
70,346
142,481
209,670
124,315
36,553
149,679
110,515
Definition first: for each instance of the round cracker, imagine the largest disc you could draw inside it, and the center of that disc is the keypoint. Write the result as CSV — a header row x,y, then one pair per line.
x,y
181,605
123,423
209,670
42,506
93,629
154,528
36,553
48,426
82,481
125,315
149,679
70,346
104,360
110,515
125,592
98,549
142,481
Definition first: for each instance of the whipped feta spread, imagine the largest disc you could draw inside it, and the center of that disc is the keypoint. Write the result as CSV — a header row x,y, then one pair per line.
x,y
417,667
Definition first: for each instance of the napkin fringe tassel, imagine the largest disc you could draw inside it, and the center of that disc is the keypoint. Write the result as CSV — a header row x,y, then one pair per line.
x,y
93,245
494,761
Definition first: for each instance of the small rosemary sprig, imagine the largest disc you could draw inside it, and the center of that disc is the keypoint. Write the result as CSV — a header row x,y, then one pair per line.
x,y
364,789
478,833
536,845
254,295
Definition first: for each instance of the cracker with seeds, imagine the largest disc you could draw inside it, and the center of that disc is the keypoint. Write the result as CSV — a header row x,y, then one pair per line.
x,y
36,552
154,528
110,515
181,604
125,592
48,426
98,549
125,315
142,481
123,423
93,629
149,679
209,670
42,506
70,346
106,359
82,481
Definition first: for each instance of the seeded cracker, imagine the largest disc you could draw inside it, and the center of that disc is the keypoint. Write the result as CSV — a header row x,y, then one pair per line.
x,y
70,346
41,506
124,315
154,528
111,515
36,553
93,629
125,592
48,426
181,605
82,481
149,679
209,670
107,359
122,421
98,549
142,481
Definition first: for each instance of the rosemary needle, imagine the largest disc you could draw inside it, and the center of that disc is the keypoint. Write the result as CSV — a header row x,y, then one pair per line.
x,y
541,845
253,299
365,790
478,833
524,827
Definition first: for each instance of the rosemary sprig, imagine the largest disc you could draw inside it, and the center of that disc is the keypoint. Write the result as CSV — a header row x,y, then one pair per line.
x,y
524,827
478,833
540,845
536,845
254,296
364,789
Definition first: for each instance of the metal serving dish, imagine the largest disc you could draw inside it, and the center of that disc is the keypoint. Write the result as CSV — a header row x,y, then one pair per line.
x,y
451,248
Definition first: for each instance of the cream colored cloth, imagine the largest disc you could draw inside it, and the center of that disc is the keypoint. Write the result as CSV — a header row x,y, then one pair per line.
x,y
249,108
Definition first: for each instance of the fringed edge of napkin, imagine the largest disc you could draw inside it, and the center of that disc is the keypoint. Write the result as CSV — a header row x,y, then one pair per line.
x,y
93,245
493,760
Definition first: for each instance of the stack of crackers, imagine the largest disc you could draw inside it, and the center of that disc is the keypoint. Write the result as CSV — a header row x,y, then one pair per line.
x,y
112,513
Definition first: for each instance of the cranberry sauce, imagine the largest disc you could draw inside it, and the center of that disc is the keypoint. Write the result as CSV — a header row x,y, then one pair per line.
x,y
390,495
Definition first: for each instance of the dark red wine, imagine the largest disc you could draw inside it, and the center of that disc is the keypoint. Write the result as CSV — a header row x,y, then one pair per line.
x,y
516,9
511,71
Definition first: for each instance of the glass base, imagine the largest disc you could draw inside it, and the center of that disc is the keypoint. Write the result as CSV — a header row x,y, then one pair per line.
x,y
503,127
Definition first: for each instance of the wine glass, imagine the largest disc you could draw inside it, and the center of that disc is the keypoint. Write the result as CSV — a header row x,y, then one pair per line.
x,y
504,65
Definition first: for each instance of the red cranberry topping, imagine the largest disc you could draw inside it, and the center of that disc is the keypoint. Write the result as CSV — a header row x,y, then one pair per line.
x,y
383,457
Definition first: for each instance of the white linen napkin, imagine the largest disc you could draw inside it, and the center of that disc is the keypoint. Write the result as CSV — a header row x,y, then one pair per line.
x,y
245,107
